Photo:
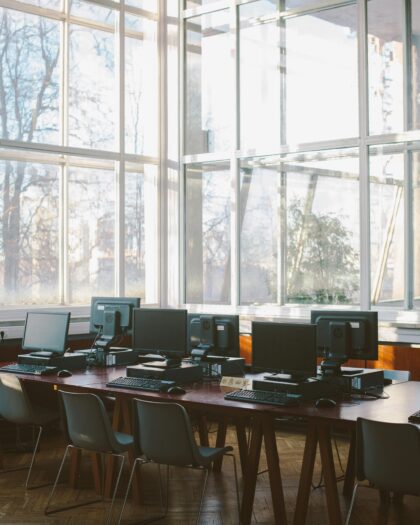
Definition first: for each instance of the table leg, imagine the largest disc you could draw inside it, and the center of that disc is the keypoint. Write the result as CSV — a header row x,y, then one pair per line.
x,y
202,431
242,443
351,467
97,471
250,479
220,442
273,465
331,491
306,475
75,456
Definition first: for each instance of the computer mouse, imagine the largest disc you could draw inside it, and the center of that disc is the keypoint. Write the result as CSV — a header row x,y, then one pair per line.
x,y
177,390
64,373
324,402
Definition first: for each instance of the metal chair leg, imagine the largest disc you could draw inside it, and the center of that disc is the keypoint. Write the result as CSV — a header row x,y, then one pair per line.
x,y
130,480
206,470
61,509
33,459
115,488
236,484
29,468
353,498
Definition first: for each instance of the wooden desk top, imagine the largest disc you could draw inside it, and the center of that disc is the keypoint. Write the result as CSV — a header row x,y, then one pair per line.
x,y
404,398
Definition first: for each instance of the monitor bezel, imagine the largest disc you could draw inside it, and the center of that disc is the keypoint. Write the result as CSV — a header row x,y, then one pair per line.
x,y
54,351
302,373
182,312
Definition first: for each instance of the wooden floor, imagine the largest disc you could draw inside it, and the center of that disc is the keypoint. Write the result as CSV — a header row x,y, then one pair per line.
x,y
26,507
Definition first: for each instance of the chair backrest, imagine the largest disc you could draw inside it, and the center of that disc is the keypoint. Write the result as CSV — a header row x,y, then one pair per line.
x,y
397,376
14,402
86,422
388,455
163,433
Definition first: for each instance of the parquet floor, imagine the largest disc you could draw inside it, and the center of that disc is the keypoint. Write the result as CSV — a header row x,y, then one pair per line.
x,y
26,507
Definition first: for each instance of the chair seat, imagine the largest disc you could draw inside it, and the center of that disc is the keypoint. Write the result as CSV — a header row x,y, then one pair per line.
x,y
125,441
209,454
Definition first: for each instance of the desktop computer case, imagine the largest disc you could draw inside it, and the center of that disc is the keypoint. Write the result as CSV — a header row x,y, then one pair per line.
x,y
74,361
185,373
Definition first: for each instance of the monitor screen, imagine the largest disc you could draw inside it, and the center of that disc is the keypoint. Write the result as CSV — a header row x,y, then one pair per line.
x,y
346,334
46,331
220,333
284,348
119,320
160,331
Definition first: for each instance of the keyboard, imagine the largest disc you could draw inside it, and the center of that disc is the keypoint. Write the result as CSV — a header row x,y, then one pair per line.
x,y
35,370
414,418
260,396
140,383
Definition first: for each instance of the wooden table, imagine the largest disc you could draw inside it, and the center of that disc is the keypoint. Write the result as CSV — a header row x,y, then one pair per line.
x,y
208,399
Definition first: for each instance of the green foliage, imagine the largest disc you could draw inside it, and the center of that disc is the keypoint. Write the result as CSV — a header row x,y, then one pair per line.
x,y
322,264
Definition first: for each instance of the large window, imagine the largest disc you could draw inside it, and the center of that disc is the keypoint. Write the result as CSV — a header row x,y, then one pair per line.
x,y
300,153
79,137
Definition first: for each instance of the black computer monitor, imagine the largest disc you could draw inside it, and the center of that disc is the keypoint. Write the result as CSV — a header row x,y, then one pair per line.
x,y
46,332
211,334
342,335
160,331
287,350
112,315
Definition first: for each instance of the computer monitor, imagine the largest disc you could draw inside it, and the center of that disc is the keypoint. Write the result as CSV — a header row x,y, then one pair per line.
x,y
213,335
342,335
160,331
111,316
287,350
46,333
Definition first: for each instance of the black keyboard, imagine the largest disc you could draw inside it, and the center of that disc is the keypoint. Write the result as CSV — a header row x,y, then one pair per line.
x,y
260,396
140,383
35,370
414,418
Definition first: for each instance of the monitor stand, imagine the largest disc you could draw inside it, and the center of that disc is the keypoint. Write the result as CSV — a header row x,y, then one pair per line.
x,y
42,354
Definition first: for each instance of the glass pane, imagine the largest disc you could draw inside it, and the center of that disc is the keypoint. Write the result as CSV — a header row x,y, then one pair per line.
x,y
416,225
91,88
207,260
385,61
92,12
322,255
208,84
29,76
259,228
321,97
141,234
259,77
91,233
141,90
29,257
387,227
415,57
